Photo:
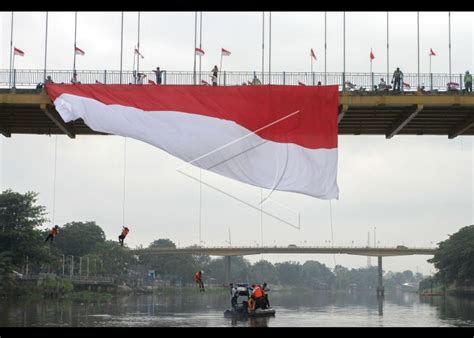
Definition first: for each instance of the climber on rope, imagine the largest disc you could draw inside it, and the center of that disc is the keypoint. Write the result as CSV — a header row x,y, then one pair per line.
x,y
54,231
124,234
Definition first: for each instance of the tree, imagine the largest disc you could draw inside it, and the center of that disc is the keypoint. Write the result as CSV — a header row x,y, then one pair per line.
x,y
454,258
20,218
113,259
79,238
316,275
172,267
289,273
264,271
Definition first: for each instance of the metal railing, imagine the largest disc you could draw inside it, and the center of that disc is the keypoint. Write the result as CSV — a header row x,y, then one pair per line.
x,y
29,78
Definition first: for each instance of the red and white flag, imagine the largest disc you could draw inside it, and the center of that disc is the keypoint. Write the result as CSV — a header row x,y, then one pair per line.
x,y
432,53
301,83
372,56
151,82
18,51
79,51
138,52
98,82
199,51
225,52
249,83
260,126
205,83
406,85
312,54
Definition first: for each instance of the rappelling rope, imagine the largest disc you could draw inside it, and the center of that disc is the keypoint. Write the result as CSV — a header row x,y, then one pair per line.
x,y
124,172
332,233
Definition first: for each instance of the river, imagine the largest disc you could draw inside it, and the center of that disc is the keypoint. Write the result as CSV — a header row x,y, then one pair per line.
x,y
206,309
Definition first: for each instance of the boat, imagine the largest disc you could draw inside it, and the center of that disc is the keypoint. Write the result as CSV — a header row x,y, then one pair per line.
x,y
240,293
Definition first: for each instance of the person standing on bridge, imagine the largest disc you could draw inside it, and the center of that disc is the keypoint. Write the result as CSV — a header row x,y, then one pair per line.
x,y
54,231
158,74
198,280
468,81
124,234
397,77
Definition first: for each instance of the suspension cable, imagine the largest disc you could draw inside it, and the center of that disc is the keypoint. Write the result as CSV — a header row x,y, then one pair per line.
x,y
54,176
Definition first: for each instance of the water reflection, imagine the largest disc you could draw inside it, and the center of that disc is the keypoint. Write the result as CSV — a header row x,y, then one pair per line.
x,y
297,308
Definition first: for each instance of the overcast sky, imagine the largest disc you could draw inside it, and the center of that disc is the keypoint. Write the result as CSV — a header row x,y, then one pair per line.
x,y
414,189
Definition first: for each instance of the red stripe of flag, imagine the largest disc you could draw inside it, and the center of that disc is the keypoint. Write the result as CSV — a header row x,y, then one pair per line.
x,y
18,51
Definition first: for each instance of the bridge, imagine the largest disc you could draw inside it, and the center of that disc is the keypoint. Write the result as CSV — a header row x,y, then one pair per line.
x,y
228,252
243,251
24,110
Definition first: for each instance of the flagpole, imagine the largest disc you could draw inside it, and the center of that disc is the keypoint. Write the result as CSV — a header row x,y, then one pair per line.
x,y
200,45
13,66
121,50
138,45
263,45
135,56
75,36
449,29
344,50
195,42
270,48
325,47
388,65
220,65
430,62
45,47
418,44
11,51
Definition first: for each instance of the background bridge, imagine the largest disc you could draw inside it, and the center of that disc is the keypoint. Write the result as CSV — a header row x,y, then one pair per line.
x,y
227,252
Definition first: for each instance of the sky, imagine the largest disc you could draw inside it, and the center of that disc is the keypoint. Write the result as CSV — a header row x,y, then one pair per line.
x,y
409,190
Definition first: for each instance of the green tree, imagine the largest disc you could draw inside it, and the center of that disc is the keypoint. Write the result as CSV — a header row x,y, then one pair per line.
x,y
317,275
20,219
454,258
79,238
264,271
114,260
289,273
171,267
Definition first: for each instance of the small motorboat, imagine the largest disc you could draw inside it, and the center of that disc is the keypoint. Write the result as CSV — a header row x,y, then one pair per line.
x,y
240,304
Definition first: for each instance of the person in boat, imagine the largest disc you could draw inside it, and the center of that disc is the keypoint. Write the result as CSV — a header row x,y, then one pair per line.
x,y
257,297
266,303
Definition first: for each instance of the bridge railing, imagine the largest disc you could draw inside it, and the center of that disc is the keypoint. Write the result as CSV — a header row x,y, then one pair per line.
x,y
29,78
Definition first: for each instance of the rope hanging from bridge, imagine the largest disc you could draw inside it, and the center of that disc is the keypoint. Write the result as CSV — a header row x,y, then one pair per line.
x,y
332,233
124,175
54,177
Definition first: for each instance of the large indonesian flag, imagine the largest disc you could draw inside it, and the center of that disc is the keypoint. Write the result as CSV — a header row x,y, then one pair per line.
x,y
275,137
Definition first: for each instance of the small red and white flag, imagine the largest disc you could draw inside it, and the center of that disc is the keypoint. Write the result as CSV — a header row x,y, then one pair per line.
x,y
79,51
406,85
432,53
372,56
205,83
249,83
18,51
98,82
138,52
225,52
301,83
312,54
199,51
151,82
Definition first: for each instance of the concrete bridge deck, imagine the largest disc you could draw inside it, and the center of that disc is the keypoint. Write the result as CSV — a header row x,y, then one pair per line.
x,y
243,251
360,113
